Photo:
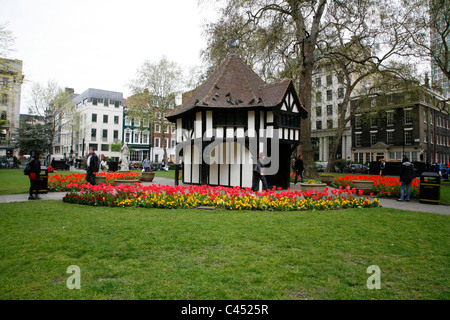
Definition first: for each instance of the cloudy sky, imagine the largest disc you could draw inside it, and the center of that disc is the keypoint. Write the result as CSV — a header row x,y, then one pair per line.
x,y
101,43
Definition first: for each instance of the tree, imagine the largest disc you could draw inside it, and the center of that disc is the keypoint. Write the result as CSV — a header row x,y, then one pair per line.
x,y
154,90
428,27
32,136
55,106
362,44
278,39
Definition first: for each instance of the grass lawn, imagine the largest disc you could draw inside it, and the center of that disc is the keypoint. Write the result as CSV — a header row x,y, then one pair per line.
x,y
165,254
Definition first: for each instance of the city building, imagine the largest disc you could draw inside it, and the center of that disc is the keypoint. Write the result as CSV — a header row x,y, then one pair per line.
x,y
100,124
327,95
150,138
414,123
11,79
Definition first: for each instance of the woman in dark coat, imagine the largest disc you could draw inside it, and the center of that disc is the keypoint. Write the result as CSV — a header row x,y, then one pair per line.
x,y
35,176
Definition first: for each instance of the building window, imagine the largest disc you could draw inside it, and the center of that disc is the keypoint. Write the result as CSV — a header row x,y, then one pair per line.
x,y
329,124
166,143
105,135
408,137
105,118
390,118
319,111
341,93
105,147
94,101
4,99
319,125
408,116
137,122
156,142
373,120
116,135
127,137
318,96
156,157
329,110
137,137
117,104
127,121
373,139
173,143
157,128
424,116
358,121
105,102
329,95
145,138
318,82
94,117
93,134
329,80
390,137
358,140
116,119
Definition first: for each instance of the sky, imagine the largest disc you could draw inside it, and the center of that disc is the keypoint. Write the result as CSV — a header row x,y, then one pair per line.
x,y
101,43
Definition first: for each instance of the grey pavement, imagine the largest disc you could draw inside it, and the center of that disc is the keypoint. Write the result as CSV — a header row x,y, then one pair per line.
x,y
413,205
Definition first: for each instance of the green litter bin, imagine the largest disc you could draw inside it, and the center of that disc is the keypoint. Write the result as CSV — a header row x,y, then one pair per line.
x,y
43,182
430,188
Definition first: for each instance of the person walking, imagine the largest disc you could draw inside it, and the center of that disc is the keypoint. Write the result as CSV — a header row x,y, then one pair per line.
x,y
146,164
35,176
406,177
93,164
258,174
299,169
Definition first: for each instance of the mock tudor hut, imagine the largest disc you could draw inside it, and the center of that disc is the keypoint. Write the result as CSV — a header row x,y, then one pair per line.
x,y
232,118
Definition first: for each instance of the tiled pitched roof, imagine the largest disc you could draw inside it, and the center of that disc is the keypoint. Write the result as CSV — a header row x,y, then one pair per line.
x,y
234,85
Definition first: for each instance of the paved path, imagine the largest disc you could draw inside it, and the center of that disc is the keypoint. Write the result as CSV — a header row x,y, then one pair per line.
x,y
413,205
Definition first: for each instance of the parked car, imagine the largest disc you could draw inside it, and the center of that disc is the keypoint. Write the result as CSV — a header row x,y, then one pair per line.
x,y
357,168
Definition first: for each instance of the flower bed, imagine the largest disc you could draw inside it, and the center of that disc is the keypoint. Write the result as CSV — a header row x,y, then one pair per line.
x,y
186,197
60,183
383,186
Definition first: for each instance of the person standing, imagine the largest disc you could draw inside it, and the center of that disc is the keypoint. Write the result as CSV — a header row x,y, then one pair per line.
x,y
406,177
93,164
35,176
103,164
299,169
258,174
146,164
382,166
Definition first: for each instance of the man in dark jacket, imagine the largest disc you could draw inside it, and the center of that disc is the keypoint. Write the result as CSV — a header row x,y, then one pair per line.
x,y
299,168
93,164
258,174
406,177
35,176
